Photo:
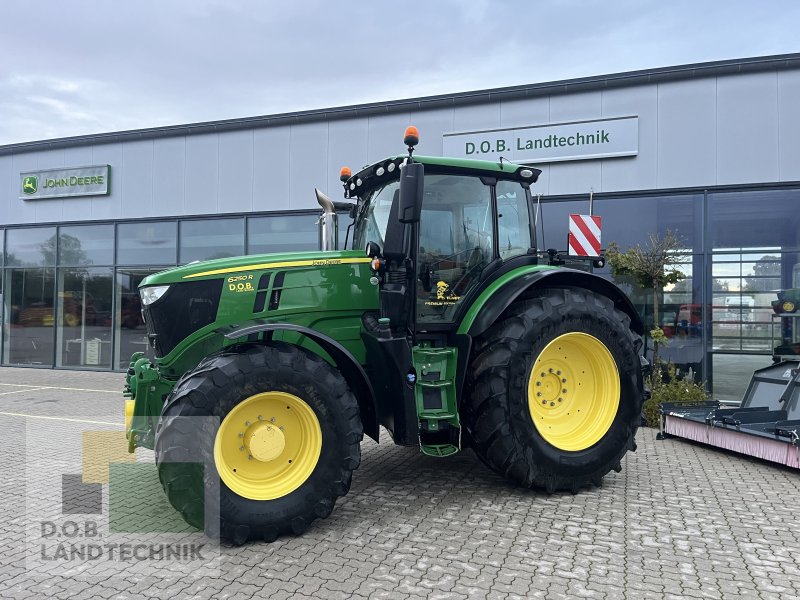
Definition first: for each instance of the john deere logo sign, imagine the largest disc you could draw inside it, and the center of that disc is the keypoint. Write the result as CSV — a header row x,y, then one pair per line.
x,y
30,185
582,140
61,183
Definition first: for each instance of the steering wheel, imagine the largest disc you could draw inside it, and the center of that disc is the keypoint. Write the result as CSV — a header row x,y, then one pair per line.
x,y
426,269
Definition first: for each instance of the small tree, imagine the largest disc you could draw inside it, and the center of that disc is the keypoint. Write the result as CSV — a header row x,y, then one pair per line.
x,y
651,266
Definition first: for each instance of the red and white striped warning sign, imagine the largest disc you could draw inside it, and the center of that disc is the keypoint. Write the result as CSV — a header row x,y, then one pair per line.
x,y
584,235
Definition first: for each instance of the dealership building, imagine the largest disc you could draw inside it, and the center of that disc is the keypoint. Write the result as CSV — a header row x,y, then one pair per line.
x,y
710,151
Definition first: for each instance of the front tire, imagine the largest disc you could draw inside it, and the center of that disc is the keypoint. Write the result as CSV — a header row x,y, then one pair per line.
x,y
283,449
556,390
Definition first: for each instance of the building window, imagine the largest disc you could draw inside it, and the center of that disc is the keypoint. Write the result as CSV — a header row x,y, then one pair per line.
x,y
147,243
31,247
29,310
131,335
754,219
83,317
86,245
287,233
627,221
211,238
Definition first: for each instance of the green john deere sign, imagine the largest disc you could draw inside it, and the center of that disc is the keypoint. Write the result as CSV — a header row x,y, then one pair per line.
x,y
63,183
30,185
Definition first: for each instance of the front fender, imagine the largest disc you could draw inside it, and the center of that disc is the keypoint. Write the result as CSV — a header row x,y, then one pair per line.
x,y
350,368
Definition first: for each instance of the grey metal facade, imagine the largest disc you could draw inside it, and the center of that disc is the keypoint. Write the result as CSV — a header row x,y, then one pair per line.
x,y
713,124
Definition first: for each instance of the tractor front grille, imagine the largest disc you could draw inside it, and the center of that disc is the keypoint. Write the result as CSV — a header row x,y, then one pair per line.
x,y
182,310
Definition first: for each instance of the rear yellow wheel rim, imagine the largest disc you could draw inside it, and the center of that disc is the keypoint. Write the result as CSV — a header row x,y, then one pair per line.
x,y
573,391
268,446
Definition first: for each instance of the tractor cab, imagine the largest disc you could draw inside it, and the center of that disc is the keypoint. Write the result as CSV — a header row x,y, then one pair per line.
x,y
443,223
435,230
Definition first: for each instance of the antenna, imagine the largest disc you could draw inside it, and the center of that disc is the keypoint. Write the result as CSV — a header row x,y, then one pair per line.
x,y
591,198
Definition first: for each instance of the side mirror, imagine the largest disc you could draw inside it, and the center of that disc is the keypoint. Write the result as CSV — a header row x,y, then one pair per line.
x,y
412,179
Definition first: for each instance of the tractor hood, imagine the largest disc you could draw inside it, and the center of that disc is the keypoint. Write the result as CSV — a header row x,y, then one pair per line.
x,y
216,269
184,307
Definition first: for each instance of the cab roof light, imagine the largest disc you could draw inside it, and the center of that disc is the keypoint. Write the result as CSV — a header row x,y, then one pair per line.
x,y
411,136
411,139
345,174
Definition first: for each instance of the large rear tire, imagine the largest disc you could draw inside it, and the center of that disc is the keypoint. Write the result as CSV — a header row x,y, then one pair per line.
x,y
282,449
555,390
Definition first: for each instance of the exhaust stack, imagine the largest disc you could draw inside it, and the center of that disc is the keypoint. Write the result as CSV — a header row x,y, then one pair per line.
x,y
328,223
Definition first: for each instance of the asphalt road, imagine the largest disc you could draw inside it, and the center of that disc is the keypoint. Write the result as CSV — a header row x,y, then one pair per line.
x,y
680,521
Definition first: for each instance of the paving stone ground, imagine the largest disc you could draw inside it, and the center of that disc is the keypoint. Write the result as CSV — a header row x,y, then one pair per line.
x,y
680,521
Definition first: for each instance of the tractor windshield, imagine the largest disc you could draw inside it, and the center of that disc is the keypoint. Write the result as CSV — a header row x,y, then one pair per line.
x,y
371,225
458,234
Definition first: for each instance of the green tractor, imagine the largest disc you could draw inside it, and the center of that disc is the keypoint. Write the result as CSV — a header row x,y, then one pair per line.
x,y
451,330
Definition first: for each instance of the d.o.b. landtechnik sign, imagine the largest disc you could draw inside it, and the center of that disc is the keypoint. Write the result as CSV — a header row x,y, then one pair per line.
x,y
604,138
62,183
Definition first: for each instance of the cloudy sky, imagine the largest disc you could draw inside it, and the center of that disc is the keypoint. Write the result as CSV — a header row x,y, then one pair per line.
x,y
88,66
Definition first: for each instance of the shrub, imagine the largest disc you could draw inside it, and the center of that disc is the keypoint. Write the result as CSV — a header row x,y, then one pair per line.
x,y
666,386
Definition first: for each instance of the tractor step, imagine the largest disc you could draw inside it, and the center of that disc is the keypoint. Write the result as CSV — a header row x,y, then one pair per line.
x,y
435,395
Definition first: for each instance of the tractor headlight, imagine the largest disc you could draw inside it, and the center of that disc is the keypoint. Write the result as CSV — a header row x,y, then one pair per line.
x,y
152,294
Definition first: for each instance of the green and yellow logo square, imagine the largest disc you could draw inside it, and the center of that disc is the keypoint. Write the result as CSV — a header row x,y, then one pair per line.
x,y
30,185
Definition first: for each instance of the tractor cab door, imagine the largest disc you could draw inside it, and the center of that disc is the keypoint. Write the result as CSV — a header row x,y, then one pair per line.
x,y
467,222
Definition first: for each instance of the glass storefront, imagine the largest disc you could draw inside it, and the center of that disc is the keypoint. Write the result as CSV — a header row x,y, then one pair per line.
x,y
69,293
29,309
740,248
206,239
147,243
289,233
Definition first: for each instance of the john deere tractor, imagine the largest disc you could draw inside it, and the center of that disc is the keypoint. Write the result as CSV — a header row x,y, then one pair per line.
x,y
439,320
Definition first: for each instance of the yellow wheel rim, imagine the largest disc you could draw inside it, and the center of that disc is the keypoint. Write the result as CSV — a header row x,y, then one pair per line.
x,y
573,391
268,445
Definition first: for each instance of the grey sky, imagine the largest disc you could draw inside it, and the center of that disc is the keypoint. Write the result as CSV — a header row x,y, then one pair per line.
x,y
80,67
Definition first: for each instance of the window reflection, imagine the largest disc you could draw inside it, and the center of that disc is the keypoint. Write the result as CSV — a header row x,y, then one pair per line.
x,y
31,247
84,317
147,243
753,219
287,233
211,238
29,316
131,335
86,245
628,221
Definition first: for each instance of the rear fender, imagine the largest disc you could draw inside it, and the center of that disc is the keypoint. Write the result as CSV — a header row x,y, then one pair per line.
x,y
493,304
350,368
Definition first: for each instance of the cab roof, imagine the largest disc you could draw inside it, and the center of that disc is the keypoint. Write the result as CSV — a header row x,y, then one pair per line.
x,y
389,169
